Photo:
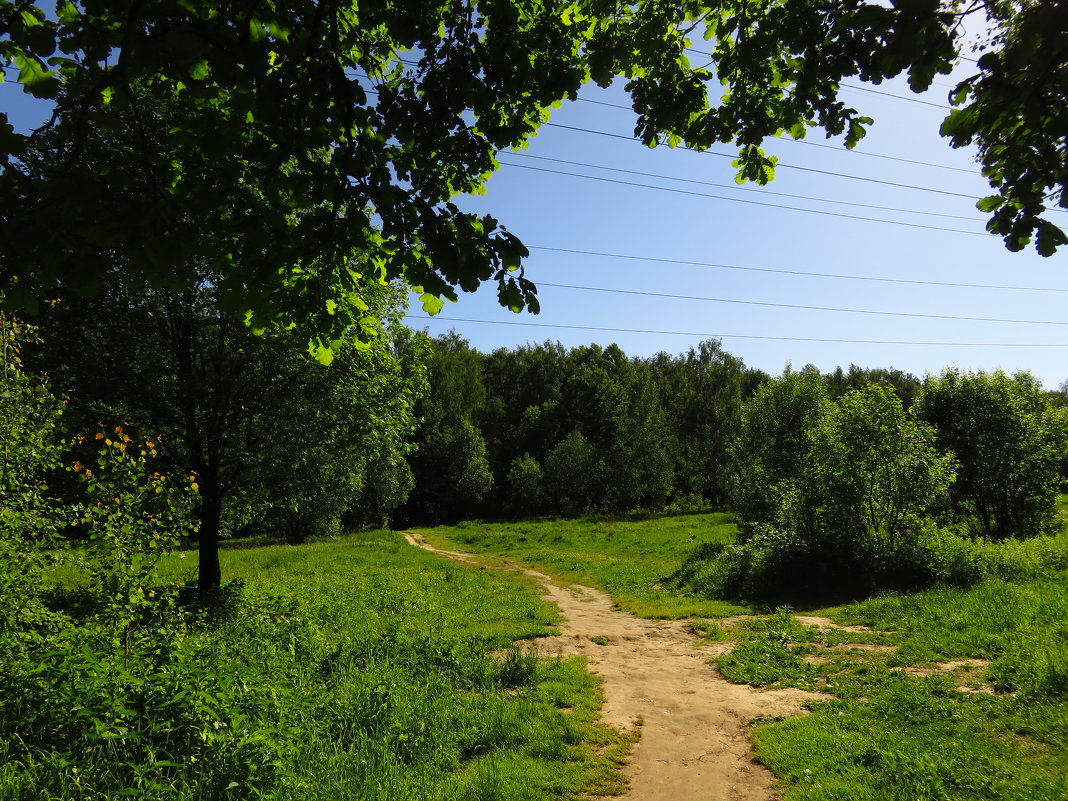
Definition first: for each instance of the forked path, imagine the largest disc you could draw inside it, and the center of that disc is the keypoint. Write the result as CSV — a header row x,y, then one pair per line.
x,y
694,743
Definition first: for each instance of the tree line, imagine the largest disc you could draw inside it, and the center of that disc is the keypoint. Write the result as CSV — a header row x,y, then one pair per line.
x,y
862,493
542,429
409,429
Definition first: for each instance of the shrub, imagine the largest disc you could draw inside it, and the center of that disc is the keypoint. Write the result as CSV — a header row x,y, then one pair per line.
x,y
572,470
839,507
526,486
1008,444
773,565
29,419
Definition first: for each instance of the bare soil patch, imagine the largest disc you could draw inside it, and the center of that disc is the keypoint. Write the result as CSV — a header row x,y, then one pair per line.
x,y
964,670
825,623
694,724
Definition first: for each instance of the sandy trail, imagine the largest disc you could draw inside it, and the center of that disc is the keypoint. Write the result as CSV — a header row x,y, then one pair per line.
x,y
695,725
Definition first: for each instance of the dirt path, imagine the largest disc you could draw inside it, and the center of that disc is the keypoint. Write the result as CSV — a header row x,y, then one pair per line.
x,y
694,724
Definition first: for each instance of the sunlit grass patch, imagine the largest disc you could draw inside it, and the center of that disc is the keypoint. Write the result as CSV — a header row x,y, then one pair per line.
x,y
898,724
360,668
630,560
897,736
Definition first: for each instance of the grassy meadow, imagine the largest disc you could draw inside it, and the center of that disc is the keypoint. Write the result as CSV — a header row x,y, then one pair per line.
x,y
363,668
631,560
956,694
360,668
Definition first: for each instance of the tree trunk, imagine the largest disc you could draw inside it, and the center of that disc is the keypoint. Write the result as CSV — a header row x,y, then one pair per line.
x,y
209,570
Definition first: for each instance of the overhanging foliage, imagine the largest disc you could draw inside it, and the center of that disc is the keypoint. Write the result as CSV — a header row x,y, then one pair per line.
x,y
313,148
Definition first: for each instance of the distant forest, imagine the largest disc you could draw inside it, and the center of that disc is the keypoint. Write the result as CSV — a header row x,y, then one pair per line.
x,y
543,429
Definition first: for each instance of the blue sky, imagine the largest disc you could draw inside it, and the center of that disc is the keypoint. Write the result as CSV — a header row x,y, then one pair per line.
x,y
751,242
552,210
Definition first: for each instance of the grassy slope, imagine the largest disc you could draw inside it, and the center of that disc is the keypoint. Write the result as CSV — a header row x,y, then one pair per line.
x,y
883,734
535,741
627,559
363,669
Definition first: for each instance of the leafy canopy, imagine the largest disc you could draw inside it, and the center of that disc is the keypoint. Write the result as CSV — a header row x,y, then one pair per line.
x,y
313,148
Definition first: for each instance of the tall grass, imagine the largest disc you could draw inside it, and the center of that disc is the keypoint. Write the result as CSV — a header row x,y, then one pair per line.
x,y
356,669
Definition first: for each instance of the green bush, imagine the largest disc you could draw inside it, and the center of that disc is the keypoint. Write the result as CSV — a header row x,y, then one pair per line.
x,y
772,565
526,486
836,498
1008,443
572,471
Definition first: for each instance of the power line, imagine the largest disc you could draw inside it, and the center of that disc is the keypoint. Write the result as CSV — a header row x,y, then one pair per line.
x,y
943,106
799,306
762,190
778,164
900,159
781,164
836,148
747,336
715,265
854,86
782,137
743,200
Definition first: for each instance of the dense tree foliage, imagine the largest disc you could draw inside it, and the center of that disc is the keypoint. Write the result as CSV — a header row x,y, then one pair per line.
x,y
1015,110
859,493
29,420
906,385
1009,444
776,440
274,439
526,486
309,150
450,470
589,429
889,463
835,497
702,394
570,431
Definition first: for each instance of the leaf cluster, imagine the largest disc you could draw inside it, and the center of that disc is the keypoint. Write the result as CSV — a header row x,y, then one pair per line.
x,y
308,151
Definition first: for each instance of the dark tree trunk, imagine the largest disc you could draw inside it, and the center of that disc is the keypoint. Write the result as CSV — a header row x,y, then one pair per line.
x,y
209,572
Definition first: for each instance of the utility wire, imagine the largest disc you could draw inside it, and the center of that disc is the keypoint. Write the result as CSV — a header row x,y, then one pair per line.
x,y
854,86
943,106
734,187
747,336
784,138
743,200
799,306
660,260
835,148
777,165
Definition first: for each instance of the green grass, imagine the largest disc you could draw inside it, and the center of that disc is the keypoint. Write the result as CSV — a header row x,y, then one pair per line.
x,y
368,669
771,656
630,560
884,735
356,669
895,736
881,734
